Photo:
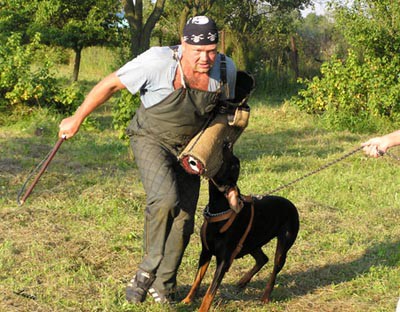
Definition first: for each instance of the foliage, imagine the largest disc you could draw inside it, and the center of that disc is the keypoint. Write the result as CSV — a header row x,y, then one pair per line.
x,y
123,111
142,17
15,17
371,26
77,24
21,84
352,93
318,41
68,24
362,91
258,36
169,29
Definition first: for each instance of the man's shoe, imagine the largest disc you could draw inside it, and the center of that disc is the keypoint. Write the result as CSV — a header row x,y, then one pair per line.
x,y
137,288
160,297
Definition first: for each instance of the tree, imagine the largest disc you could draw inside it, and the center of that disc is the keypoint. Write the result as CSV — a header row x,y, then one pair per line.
x,y
15,17
361,90
193,8
266,25
140,30
318,42
371,26
23,85
77,24
176,13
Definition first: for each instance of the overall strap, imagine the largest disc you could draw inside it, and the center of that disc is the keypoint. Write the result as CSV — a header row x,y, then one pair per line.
x,y
223,75
176,58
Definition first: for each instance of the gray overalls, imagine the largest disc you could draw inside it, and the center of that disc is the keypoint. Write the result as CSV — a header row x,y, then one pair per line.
x,y
157,135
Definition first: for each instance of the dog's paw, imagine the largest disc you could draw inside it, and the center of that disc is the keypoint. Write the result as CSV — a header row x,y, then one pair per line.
x,y
187,300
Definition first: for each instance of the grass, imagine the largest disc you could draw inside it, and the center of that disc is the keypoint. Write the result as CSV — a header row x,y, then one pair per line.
x,y
78,239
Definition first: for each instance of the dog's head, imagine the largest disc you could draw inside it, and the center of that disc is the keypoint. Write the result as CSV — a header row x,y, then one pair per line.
x,y
227,176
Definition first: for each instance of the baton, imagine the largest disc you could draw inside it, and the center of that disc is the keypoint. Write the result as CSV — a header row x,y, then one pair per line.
x,y
46,161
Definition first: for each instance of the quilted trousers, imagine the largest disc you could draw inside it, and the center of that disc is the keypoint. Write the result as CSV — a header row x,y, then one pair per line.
x,y
171,200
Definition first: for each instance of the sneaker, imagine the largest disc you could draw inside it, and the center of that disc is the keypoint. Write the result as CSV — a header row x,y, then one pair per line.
x,y
137,288
160,297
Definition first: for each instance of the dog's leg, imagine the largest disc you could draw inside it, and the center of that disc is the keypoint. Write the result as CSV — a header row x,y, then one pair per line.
x,y
204,261
222,268
285,241
261,259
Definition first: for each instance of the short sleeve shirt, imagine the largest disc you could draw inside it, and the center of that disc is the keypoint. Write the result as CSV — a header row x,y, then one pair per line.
x,y
152,73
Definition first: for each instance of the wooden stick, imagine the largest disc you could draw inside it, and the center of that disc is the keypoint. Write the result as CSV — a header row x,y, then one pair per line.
x,y
42,170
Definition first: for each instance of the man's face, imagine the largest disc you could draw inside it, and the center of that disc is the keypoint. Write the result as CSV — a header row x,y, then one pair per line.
x,y
200,57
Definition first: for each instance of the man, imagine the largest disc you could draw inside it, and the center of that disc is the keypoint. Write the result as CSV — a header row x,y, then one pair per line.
x,y
180,88
378,146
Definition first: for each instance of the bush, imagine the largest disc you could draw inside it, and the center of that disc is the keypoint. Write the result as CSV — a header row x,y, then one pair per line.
x,y
124,110
352,94
22,85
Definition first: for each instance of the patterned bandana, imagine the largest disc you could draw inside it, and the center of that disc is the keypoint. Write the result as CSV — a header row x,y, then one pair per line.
x,y
200,30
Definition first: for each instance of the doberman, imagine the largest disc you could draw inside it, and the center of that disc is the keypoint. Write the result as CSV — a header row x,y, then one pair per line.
x,y
235,226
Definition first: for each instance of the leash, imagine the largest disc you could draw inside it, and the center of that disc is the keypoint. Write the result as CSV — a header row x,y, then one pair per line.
x,y
315,171
392,156
24,294
324,167
43,166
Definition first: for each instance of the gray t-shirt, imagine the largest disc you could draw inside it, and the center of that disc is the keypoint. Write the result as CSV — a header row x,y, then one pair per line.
x,y
153,72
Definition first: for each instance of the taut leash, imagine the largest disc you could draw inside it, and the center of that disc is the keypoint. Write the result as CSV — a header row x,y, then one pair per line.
x,y
392,156
43,166
315,171
324,167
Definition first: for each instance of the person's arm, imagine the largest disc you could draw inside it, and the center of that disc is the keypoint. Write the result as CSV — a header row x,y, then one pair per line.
x,y
376,147
97,96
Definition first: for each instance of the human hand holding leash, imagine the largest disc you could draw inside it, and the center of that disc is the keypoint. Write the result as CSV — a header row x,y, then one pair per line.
x,y
378,146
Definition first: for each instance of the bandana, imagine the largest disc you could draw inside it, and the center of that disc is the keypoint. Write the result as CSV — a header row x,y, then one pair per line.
x,y
200,30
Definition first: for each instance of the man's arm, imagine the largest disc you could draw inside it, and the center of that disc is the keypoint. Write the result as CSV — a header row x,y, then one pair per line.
x,y
374,146
96,97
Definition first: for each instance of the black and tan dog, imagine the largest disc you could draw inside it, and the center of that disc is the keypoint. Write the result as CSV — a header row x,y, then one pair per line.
x,y
235,226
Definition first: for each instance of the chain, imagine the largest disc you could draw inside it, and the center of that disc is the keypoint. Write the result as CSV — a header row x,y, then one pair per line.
x,y
207,213
315,171
393,156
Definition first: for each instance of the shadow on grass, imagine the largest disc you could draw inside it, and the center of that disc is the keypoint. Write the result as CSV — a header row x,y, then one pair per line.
x,y
302,283
333,274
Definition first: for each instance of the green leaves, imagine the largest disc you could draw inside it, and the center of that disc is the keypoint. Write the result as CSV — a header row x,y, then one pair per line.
x,y
124,110
362,90
351,93
22,84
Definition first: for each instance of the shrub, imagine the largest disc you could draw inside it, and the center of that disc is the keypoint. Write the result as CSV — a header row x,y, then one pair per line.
x,y
352,94
23,85
124,110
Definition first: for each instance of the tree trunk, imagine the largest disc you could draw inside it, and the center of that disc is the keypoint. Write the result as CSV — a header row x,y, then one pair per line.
x,y
194,7
183,19
77,63
294,57
140,31
222,41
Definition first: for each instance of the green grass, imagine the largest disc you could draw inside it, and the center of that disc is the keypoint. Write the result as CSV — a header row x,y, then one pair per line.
x,y
78,239
96,62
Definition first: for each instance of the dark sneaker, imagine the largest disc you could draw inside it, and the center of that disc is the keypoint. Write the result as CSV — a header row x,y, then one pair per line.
x,y
160,297
137,288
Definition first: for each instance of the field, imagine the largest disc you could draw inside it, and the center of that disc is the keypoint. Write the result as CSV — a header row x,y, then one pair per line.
x,y
77,240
